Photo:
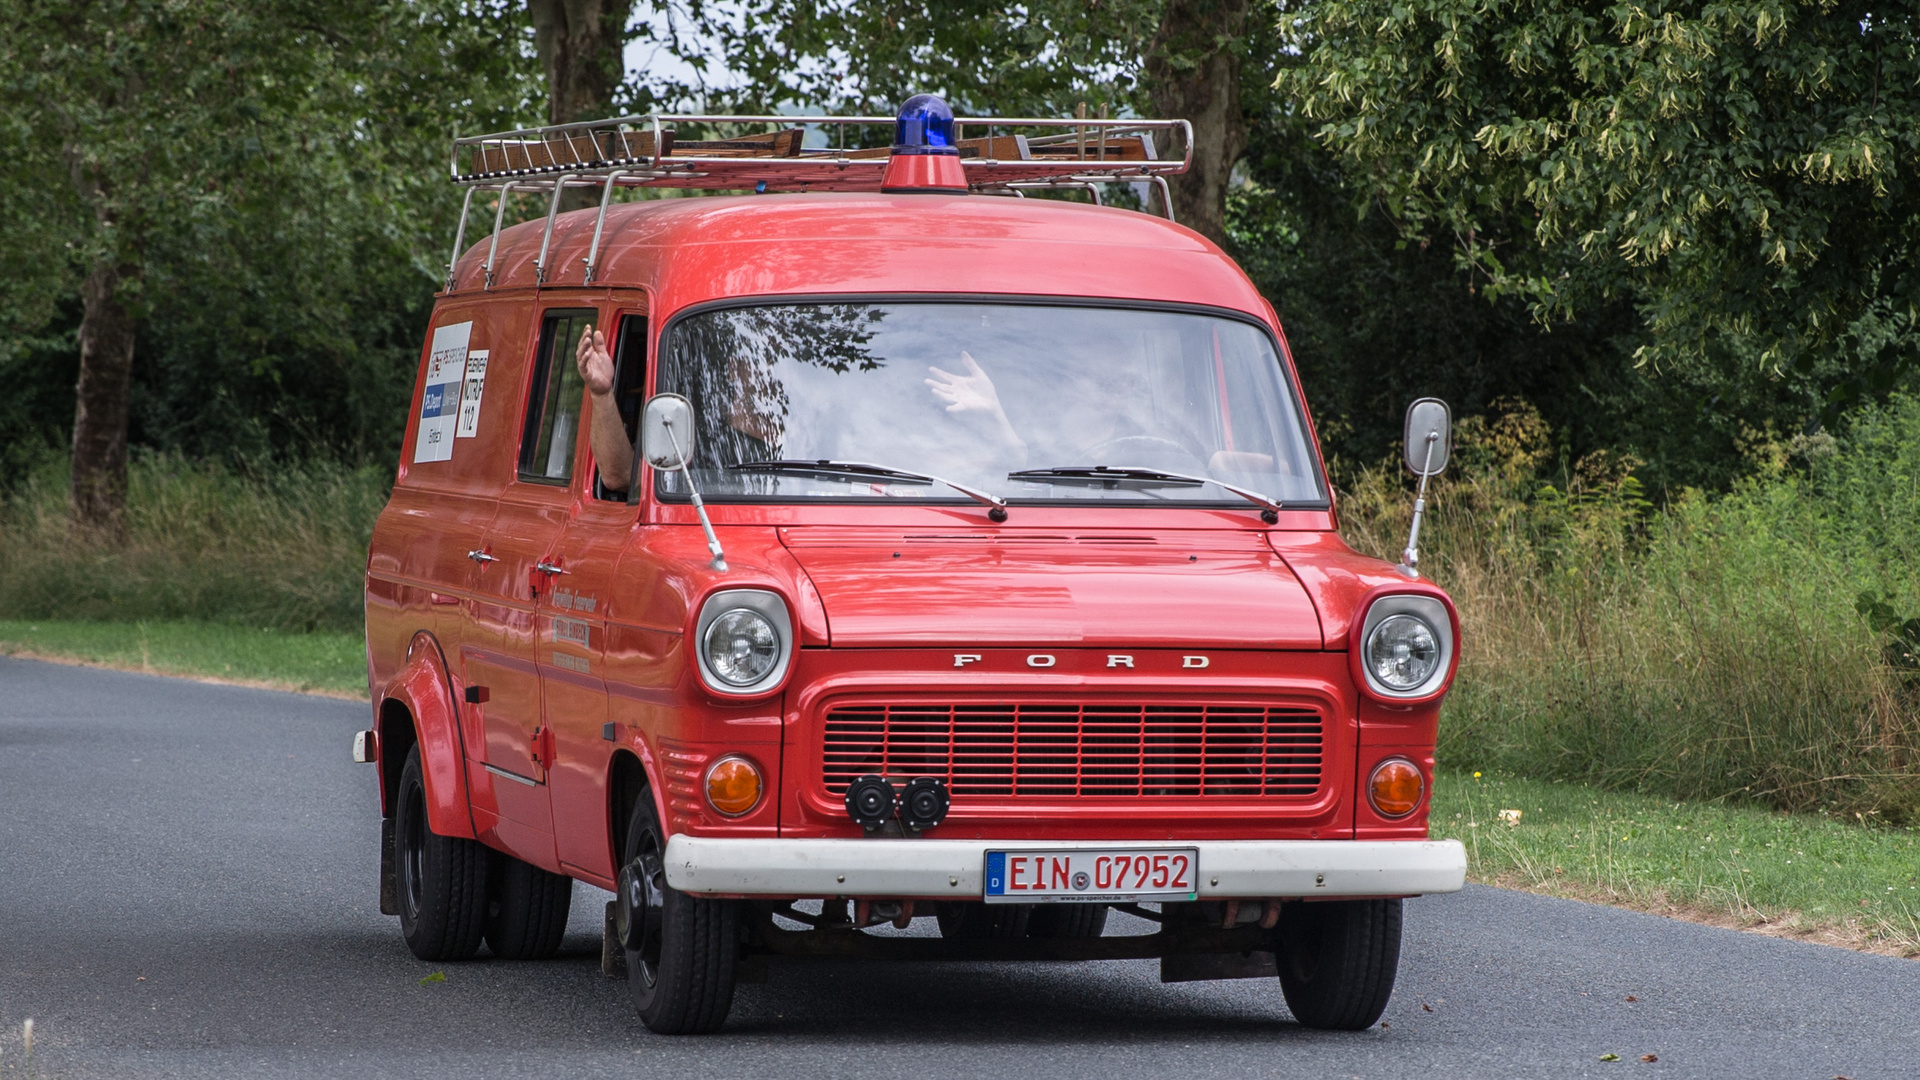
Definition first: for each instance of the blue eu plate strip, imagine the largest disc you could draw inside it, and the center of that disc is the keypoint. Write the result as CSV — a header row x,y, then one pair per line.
x,y
996,873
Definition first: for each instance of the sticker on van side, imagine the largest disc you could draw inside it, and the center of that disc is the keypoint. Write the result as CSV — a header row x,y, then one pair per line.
x,y
446,371
476,385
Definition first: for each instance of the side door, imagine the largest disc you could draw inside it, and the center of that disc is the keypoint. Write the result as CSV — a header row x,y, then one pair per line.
x,y
572,622
434,526
500,652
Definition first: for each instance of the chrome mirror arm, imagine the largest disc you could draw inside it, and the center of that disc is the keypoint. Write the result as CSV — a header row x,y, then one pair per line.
x,y
706,524
1410,558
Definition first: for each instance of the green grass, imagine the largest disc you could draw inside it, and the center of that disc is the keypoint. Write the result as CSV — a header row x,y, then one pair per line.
x,y
320,661
1850,882
278,545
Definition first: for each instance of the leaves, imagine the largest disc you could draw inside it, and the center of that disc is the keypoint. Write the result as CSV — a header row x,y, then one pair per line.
x,y
272,178
436,977
1740,170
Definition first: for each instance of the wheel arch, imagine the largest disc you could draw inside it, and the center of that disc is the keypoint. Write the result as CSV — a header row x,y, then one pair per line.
x,y
418,709
628,780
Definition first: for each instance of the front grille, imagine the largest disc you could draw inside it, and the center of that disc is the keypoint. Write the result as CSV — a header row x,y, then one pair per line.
x,y
1063,750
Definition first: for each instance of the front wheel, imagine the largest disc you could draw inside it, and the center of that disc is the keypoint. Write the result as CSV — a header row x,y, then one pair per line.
x,y
682,951
442,880
1337,961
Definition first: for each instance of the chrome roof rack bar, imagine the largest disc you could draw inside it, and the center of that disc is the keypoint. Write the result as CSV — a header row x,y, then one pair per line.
x,y
600,223
493,248
639,151
546,237
459,237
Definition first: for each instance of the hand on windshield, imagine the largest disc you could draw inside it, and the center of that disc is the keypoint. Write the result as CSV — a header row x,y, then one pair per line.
x,y
973,392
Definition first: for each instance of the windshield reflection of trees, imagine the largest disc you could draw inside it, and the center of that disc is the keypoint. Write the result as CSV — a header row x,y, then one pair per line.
x,y
898,385
740,403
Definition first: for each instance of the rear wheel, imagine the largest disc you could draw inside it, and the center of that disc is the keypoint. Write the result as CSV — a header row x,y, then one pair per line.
x,y
527,913
442,880
1067,921
972,920
1337,961
682,951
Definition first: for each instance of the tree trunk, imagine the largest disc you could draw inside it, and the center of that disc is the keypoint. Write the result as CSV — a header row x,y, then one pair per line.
x,y
99,499
1193,73
581,44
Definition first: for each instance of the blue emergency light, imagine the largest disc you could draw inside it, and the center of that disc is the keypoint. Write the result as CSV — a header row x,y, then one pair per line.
x,y
924,126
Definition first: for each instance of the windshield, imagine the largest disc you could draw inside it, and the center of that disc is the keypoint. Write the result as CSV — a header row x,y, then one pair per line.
x,y
1022,401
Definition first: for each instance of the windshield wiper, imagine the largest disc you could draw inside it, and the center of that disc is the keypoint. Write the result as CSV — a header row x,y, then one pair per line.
x,y
829,467
1270,507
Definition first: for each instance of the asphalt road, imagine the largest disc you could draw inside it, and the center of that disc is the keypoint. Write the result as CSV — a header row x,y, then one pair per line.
x,y
187,888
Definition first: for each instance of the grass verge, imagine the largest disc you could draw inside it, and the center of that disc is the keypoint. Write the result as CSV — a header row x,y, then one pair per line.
x,y
323,662
1809,876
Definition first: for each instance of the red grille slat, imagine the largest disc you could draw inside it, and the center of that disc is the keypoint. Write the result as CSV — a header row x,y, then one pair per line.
x,y
1051,750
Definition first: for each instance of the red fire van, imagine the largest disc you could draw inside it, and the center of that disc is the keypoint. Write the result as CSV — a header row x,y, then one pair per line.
x,y
887,544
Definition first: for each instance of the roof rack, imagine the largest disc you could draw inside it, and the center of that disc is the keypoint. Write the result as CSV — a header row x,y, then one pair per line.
x,y
647,151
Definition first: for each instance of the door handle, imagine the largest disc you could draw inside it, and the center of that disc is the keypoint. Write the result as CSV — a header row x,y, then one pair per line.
x,y
549,568
480,556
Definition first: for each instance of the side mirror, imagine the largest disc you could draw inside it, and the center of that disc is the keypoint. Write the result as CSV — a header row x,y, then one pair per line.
x,y
666,441
666,432
1429,437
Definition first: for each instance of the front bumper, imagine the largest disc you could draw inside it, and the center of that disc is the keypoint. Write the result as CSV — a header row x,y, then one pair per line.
x,y
888,868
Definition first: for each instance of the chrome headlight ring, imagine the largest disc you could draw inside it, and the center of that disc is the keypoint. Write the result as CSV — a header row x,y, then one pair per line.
x,y
757,625
1408,631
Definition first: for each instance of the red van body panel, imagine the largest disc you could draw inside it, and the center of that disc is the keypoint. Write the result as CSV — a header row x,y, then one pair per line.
x,y
1104,615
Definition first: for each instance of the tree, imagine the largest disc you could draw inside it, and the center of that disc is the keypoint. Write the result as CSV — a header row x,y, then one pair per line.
x,y
231,203
1172,58
1742,171
1193,72
581,45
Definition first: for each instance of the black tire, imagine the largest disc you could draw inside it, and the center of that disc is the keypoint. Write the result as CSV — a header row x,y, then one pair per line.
x,y
1337,961
972,920
442,880
1067,921
528,908
682,951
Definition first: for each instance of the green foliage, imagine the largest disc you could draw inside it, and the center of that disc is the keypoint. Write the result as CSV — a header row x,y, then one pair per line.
x,y
269,176
1710,650
281,547
983,57
1785,873
1740,171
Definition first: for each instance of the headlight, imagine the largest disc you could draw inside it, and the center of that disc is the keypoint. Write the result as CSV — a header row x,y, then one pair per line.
x,y
743,641
1406,645
742,646
1403,651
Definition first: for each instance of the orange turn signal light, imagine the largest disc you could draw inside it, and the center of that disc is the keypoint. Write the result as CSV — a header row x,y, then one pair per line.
x,y
733,785
1395,787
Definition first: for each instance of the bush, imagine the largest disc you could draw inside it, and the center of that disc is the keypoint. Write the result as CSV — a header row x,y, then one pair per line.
x,y
281,547
1735,647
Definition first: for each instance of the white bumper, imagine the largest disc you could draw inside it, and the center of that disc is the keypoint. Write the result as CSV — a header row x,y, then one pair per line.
x,y
921,868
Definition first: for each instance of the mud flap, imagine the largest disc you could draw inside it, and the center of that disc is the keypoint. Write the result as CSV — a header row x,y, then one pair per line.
x,y
613,957
389,872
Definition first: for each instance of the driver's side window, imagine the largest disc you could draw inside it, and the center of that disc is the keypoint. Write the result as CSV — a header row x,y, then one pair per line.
x,y
629,392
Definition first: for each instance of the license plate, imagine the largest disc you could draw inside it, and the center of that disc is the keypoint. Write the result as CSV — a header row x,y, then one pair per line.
x,y
1091,874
